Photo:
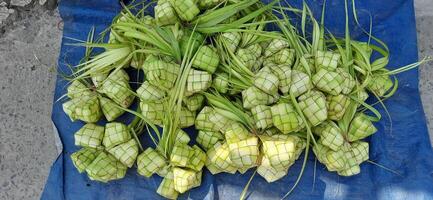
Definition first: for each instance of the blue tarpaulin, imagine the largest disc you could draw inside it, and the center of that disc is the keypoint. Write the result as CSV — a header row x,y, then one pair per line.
x,y
401,144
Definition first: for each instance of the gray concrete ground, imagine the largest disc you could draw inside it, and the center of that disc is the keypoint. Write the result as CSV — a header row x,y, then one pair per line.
x,y
29,47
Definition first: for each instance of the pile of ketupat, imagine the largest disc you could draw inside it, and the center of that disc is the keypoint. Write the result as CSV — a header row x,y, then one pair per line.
x,y
258,98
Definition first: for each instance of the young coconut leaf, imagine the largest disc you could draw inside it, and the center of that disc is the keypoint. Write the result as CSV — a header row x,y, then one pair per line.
x,y
84,157
360,128
187,10
105,168
221,83
327,60
90,135
110,109
150,162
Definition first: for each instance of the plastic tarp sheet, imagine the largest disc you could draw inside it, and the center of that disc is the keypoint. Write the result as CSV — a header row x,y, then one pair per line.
x,y
401,144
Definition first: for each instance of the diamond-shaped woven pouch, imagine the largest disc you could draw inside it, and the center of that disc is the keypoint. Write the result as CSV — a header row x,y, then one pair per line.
x,y
348,81
166,187
165,13
110,109
98,79
269,173
117,88
197,159
285,57
244,153
280,152
253,97
126,152
327,60
90,135
184,179
162,74
313,105
360,151
115,133
328,81
266,81
300,83
84,157
207,139
220,82
256,49
311,65
380,84
206,59
105,168
197,81
262,115
202,120
335,160
221,122
77,89
231,39
337,106
85,108
236,132
352,167
285,118
186,9
150,162
275,46
284,74
360,128
181,154
194,102
218,159
182,137
247,57
205,4
149,92
153,111
330,135
186,118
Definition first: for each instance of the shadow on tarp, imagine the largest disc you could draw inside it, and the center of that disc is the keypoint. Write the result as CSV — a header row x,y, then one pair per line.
x,y
402,145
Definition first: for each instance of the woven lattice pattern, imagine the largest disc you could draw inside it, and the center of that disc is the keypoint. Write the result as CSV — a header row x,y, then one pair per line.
x,y
285,118
218,159
166,187
266,81
194,102
186,9
162,74
330,135
269,173
207,59
83,158
90,135
348,81
110,109
198,81
275,46
126,153
329,82
207,139
221,83
197,159
380,84
236,132
186,118
262,116
117,88
285,57
301,83
247,57
221,122
85,108
280,152
335,160
180,154
244,153
182,137
165,13
115,133
360,128
77,89
284,74
311,65
253,97
231,39
256,49
337,106
208,3
184,179
150,162
202,121
148,92
105,168
153,111
313,105
258,64
98,79
327,60
360,151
